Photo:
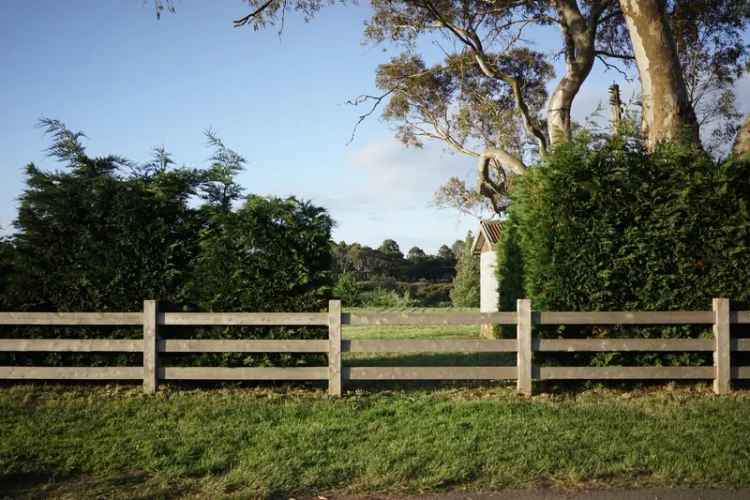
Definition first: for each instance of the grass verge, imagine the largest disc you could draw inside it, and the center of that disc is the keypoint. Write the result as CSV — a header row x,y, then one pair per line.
x,y
85,442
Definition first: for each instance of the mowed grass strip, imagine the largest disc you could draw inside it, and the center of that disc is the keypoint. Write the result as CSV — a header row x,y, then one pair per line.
x,y
419,332
244,442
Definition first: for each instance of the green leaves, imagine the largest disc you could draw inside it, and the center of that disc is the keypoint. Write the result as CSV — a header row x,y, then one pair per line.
x,y
99,237
612,227
466,290
272,254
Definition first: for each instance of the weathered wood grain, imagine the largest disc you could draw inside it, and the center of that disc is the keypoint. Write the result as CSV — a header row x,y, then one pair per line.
x,y
71,345
227,345
741,372
245,319
430,373
150,348
409,318
741,345
624,318
70,318
524,352
335,383
624,372
722,347
604,345
211,373
468,346
71,373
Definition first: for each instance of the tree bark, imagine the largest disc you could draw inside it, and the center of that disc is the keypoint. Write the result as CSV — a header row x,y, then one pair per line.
x,y
579,59
615,109
667,112
493,190
504,158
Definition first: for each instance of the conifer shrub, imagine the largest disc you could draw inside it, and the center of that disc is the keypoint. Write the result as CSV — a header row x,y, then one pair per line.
x,y
611,226
466,287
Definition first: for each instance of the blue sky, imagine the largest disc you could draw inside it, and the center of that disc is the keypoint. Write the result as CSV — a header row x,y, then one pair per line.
x,y
131,83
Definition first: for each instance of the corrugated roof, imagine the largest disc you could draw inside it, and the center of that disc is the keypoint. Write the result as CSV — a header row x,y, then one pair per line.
x,y
492,229
489,230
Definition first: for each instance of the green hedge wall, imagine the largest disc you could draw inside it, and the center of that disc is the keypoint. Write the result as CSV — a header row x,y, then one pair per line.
x,y
613,227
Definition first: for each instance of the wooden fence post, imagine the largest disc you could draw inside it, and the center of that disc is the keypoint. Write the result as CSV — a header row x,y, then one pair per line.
x,y
150,347
523,337
722,347
334,348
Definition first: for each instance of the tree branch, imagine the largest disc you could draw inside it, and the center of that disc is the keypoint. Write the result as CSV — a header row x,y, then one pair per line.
x,y
606,53
362,99
244,20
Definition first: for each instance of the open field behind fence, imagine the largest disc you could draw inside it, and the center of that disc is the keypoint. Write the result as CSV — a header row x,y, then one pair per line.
x,y
524,345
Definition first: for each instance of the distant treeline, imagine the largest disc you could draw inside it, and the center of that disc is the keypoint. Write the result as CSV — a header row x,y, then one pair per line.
x,y
385,277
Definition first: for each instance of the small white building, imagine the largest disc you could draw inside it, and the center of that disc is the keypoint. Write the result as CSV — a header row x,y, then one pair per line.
x,y
484,246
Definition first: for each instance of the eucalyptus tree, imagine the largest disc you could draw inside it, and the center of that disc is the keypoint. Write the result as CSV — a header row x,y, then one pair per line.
x,y
689,54
487,97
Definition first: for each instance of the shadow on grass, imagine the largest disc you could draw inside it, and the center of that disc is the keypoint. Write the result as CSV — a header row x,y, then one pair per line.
x,y
135,485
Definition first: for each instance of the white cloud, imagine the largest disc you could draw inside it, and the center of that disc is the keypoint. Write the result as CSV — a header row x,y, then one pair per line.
x,y
6,226
389,167
386,192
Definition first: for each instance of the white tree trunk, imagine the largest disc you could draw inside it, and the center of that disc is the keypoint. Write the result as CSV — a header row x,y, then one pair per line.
x,y
667,112
579,59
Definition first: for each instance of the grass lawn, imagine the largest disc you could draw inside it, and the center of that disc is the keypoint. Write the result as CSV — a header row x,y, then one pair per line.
x,y
424,333
410,332
113,441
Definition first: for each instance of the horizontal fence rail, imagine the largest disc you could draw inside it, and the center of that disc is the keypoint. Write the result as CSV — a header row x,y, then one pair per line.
x,y
71,373
429,319
201,373
71,345
152,344
71,319
625,372
431,373
297,346
417,346
247,319
628,345
625,318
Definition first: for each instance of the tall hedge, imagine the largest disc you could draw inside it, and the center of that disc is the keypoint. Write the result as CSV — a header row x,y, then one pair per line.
x,y
466,285
614,227
103,234
271,254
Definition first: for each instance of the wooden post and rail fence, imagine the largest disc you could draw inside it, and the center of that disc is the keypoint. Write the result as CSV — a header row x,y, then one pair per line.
x,y
524,345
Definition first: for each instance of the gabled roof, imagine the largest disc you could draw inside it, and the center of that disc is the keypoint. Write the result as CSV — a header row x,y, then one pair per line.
x,y
489,231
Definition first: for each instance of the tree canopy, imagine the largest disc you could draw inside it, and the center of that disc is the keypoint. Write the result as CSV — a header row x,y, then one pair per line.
x,y
488,97
105,233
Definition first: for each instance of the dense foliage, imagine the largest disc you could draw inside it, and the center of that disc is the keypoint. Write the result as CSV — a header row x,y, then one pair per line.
x,y
384,277
612,227
367,263
6,268
90,239
466,289
509,267
103,234
269,255
608,227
